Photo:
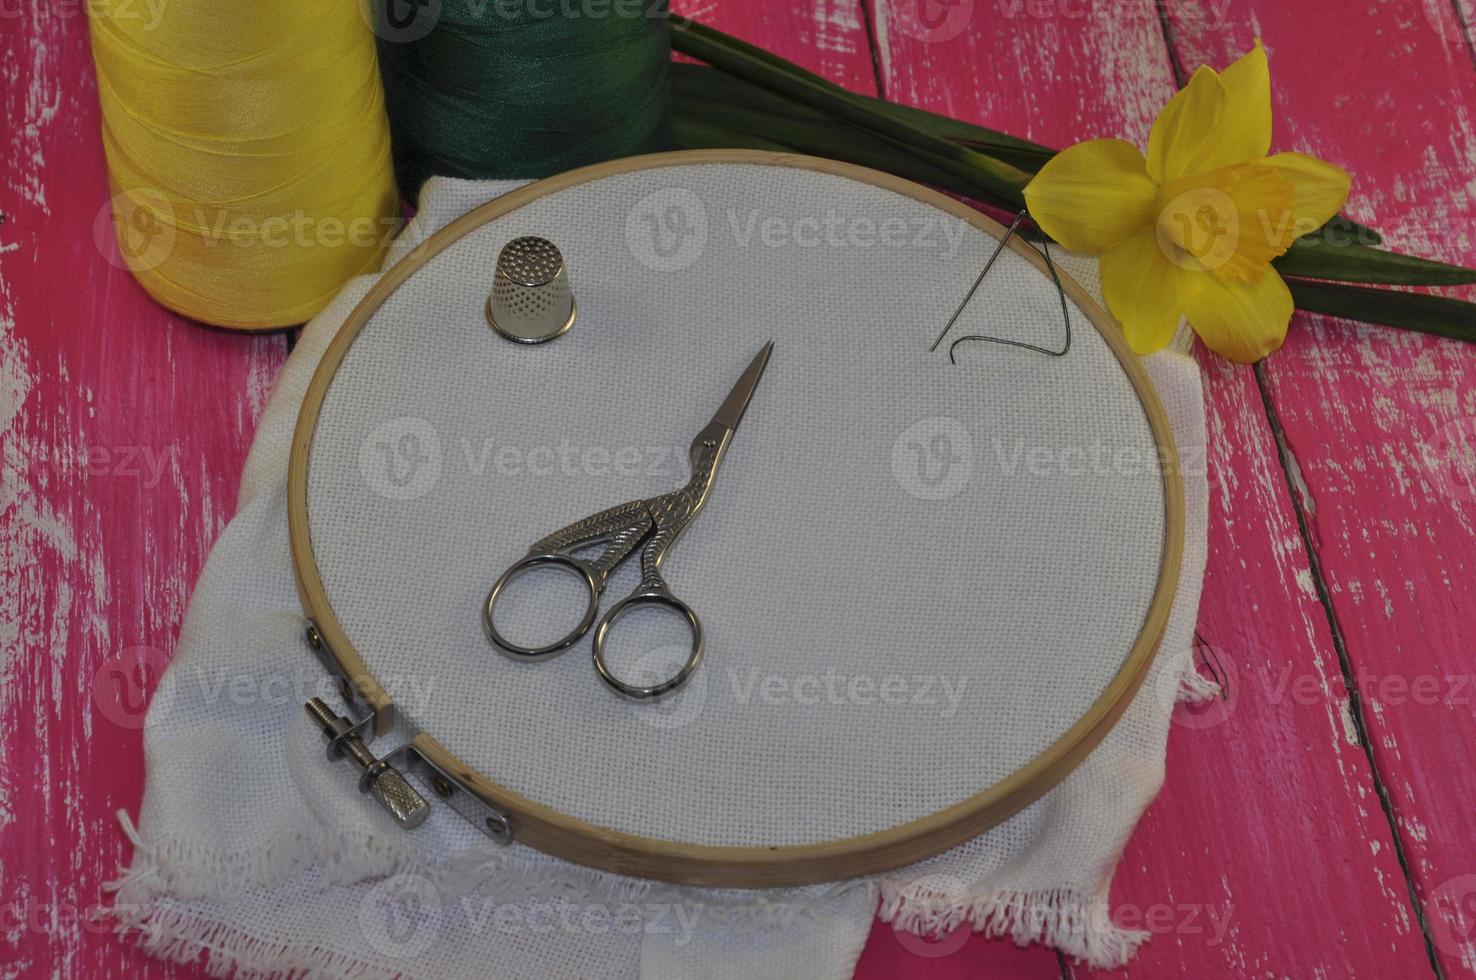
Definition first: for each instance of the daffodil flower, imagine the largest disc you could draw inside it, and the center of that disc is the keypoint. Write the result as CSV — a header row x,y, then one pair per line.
x,y
1191,230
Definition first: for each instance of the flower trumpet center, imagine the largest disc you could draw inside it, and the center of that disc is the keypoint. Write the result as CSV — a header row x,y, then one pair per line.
x,y
1231,221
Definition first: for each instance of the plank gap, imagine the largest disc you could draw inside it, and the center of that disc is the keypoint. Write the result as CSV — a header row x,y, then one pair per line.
x,y
868,21
1171,41
1296,490
1468,28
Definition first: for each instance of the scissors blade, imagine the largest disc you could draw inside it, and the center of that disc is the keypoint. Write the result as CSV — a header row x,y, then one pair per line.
x,y
730,413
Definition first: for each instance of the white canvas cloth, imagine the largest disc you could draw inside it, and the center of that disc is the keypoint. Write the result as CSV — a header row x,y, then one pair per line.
x,y
991,606
254,852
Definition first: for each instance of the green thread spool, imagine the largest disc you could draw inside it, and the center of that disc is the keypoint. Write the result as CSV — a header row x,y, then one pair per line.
x,y
521,88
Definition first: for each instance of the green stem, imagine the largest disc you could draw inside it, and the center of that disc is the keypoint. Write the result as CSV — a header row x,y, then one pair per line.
x,y
1439,315
689,132
1325,257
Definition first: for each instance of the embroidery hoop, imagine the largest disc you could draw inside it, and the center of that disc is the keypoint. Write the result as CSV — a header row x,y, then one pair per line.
x,y
505,814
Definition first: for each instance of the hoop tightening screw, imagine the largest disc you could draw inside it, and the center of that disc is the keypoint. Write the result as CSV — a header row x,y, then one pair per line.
x,y
378,778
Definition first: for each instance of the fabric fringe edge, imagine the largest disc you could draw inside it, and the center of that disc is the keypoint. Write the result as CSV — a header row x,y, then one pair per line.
x,y
226,951
184,873
1063,918
174,871
159,876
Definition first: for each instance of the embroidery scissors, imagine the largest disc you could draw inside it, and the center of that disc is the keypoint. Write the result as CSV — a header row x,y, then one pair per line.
x,y
656,521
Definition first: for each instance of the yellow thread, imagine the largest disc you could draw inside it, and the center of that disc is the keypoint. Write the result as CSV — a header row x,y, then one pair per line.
x,y
248,151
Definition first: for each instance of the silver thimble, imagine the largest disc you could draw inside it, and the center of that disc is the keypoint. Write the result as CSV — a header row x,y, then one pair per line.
x,y
531,301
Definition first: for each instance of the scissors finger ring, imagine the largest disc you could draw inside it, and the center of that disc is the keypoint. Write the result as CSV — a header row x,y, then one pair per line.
x,y
583,569
671,683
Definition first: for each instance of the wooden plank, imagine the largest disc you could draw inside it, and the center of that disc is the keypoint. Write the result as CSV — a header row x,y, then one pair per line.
x,y
1375,421
1220,865
825,36
125,431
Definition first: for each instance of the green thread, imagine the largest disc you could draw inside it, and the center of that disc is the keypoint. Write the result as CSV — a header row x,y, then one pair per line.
x,y
522,88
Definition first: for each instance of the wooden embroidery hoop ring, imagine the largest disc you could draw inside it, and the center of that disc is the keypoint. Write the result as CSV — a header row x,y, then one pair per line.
x,y
564,836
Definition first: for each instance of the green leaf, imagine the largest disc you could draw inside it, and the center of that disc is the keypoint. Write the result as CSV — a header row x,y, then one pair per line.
x,y
1345,231
755,98
1439,315
691,132
988,175
769,83
823,137
1315,258
703,82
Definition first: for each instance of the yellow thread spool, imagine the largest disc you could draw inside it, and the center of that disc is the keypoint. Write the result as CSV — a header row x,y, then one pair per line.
x,y
248,151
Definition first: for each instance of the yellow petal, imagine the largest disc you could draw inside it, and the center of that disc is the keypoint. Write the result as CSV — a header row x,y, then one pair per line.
x,y
1247,120
1214,121
1239,320
1145,290
1092,196
1319,189
1180,133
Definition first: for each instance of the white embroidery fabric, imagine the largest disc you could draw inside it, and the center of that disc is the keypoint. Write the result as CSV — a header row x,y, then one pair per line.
x,y
268,860
913,576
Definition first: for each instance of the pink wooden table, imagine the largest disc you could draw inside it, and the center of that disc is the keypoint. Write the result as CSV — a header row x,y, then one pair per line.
x,y
1319,823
